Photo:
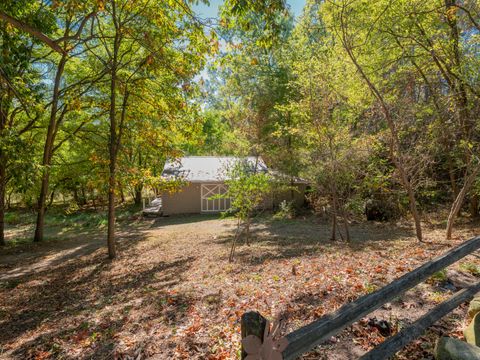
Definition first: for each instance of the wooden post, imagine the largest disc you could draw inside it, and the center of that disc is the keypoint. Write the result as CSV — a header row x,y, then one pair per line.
x,y
252,323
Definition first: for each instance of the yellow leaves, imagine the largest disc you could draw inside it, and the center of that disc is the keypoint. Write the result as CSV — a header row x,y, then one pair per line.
x,y
451,13
224,23
10,28
100,5
214,46
254,61
75,104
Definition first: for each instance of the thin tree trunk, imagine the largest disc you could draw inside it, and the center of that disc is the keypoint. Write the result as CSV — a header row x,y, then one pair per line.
x,y
139,187
412,202
83,199
47,152
2,198
474,206
453,180
52,196
334,219
395,149
234,242
93,200
122,195
112,147
457,204
345,224
5,105
247,231
8,204
138,195
75,196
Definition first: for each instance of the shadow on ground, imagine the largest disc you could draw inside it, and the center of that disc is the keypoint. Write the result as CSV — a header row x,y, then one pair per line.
x,y
66,293
309,236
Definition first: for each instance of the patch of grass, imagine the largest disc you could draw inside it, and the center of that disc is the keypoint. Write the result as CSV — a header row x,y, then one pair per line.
x,y
9,284
18,241
438,277
213,299
12,218
256,277
369,287
470,268
18,217
77,220
438,297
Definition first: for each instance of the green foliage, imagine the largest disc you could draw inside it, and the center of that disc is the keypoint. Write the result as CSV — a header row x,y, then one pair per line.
x,y
471,268
286,210
438,277
247,188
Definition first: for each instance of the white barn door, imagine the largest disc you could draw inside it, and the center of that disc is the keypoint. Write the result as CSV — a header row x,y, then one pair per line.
x,y
213,205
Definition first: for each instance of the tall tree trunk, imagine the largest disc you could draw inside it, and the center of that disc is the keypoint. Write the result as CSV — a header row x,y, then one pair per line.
x,y
345,224
139,187
334,218
234,242
5,104
112,146
48,150
457,204
465,121
411,200
2,198
138,195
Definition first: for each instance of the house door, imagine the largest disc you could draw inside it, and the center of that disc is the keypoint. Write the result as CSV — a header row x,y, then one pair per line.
x,y
214,205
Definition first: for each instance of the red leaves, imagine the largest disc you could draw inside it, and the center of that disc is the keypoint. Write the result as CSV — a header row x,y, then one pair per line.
x,y
80,336
42,355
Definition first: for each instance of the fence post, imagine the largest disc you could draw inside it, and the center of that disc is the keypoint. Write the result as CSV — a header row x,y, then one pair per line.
x,y
252,323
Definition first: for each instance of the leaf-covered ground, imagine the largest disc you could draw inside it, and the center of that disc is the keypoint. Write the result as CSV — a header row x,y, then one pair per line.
x,y
172,294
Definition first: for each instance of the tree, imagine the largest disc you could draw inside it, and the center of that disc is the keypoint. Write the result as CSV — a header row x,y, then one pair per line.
x,y
19,91
139,40
334,157
72,19
247,188
361,46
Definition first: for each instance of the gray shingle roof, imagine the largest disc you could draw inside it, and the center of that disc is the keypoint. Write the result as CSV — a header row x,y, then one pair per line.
x,y
206,168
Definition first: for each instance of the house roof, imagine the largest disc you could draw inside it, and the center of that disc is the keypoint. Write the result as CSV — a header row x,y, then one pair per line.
x,y
207,168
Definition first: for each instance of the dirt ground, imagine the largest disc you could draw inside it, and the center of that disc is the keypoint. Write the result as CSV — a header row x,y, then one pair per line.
x,y
172,294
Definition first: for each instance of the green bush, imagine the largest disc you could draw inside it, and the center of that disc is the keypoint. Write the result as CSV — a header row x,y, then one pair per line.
x,y
12,218
286,210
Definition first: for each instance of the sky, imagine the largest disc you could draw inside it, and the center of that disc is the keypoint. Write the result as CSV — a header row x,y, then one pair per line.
x,y
211,11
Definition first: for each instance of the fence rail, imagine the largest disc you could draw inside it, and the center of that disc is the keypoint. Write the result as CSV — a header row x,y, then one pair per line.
x,y
307,337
